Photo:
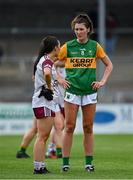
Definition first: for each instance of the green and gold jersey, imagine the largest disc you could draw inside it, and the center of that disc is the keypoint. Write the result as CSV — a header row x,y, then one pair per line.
x,y
80,63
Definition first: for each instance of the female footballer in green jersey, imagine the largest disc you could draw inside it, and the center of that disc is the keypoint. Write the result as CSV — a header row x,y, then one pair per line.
x,y
80,56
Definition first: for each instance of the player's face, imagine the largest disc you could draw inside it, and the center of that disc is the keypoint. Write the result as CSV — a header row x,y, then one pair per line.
x,y
81,32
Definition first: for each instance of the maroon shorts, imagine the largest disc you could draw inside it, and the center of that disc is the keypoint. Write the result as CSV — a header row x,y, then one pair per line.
x,y
42,112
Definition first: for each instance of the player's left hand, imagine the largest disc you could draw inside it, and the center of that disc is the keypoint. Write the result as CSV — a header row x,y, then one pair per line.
x,y
97,84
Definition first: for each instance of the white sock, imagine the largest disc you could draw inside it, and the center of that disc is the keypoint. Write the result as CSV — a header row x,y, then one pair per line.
x,y
43,164
38,165
51,147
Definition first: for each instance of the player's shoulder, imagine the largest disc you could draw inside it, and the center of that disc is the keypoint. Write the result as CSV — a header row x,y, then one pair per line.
x,y
71,43
45,60
92,41
95,42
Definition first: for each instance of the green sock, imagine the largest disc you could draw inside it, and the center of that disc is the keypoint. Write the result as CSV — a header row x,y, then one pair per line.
x,y
88,160
58,151
65,161
23,149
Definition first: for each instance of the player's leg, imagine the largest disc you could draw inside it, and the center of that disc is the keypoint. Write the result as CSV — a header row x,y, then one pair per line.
x,y
51,148
44,126
55,140
58,125
27,138
70,122
88,116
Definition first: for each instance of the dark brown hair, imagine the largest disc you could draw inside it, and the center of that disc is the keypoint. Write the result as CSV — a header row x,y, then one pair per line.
x,y
85,19
46,46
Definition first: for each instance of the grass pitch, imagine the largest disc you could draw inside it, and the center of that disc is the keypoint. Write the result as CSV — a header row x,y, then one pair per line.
x,y
113,159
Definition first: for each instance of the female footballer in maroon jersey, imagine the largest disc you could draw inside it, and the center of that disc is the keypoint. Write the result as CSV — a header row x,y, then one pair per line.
x,y
44,98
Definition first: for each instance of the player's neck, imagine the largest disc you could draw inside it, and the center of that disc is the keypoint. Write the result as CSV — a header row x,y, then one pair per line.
x,y
83,41
52,56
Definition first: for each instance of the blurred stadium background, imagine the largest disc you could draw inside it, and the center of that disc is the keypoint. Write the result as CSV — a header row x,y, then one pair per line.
x,y
24,23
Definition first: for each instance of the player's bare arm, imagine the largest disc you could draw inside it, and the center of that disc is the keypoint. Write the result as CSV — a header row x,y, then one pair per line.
x,y
47,77
108,69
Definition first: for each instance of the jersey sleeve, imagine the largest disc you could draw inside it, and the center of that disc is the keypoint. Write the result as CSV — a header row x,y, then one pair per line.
x,y
47,64
63,53
100,53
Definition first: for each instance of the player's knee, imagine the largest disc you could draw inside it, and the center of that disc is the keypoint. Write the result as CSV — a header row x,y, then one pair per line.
x,y
88,128
59,127
70,128
43,137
